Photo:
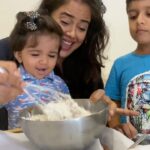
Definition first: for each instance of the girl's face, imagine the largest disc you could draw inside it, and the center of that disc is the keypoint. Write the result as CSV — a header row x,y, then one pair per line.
x,y
39,60
74,18
139,21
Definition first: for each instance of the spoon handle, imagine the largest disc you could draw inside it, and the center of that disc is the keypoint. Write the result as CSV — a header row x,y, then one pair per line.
x,y
138,141
33,98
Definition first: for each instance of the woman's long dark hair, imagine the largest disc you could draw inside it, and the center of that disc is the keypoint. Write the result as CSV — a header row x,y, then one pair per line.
x,y
82,69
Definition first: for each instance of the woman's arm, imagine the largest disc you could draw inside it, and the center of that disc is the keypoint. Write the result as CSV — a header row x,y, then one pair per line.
x,y
10,82
113,109
114,114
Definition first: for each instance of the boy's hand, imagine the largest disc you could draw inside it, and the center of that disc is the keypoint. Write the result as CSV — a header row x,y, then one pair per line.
x,y
128,129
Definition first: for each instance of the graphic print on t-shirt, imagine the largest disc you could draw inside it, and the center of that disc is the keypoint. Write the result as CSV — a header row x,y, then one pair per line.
x,y
138,98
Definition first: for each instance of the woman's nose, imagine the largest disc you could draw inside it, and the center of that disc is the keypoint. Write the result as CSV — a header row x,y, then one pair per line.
x,y
71,32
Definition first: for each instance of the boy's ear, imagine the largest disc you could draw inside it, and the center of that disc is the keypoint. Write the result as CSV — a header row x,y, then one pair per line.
x,y
18,56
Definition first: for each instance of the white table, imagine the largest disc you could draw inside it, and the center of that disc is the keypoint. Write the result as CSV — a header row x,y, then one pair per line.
x,y
15,141
18,141
115,140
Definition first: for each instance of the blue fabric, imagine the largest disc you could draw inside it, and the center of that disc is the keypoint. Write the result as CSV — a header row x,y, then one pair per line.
x,y
24,101
123,70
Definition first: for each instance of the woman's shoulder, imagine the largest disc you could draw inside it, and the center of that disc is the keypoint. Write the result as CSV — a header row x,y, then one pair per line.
x,y
5,49
4,42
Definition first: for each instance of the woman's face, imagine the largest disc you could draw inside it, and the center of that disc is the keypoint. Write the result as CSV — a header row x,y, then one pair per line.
x,y
74,18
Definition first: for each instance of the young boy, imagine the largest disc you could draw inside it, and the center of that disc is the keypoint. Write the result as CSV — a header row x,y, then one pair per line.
x,y
129,79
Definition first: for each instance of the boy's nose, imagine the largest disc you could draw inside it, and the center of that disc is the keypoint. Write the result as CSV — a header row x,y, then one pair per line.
x,y
141,19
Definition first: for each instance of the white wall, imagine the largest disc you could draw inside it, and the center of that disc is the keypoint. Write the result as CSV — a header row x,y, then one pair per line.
x,y
120,40
8,11
116,20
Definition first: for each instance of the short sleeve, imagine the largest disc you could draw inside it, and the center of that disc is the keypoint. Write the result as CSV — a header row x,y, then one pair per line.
x,y
112,88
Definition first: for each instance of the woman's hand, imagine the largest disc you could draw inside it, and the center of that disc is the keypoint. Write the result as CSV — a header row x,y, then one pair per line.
x,y
128,129
10,82
100,95
113,109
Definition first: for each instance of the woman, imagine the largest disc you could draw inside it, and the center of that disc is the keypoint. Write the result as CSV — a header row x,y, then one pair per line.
x,y
84,41
80,59
85,38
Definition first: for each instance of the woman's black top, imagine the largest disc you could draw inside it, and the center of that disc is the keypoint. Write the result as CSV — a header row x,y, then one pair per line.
x,y
5,50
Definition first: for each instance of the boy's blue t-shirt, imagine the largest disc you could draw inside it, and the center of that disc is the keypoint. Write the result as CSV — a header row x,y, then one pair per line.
x,y
123,70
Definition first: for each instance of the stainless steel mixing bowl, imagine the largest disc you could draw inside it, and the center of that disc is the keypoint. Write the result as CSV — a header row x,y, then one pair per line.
x,y
73,134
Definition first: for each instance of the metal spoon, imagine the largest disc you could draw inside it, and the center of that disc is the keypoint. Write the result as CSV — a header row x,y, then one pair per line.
x,y
142,138
40,104
34,98
56,95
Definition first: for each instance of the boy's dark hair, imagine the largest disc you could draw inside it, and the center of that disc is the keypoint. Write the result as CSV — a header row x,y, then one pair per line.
x,y
32,24
128,2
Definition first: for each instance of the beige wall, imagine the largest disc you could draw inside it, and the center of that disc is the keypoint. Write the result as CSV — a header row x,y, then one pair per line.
x,y
8,10
120,40
116,20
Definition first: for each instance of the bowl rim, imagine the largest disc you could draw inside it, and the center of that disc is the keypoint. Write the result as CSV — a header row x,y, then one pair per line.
x,y
66,120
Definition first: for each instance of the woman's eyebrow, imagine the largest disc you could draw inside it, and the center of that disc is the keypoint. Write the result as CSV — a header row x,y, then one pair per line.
x,y
71,16
67,14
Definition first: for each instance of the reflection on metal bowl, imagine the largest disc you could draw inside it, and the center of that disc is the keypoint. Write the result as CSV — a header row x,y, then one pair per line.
x,y
72,134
